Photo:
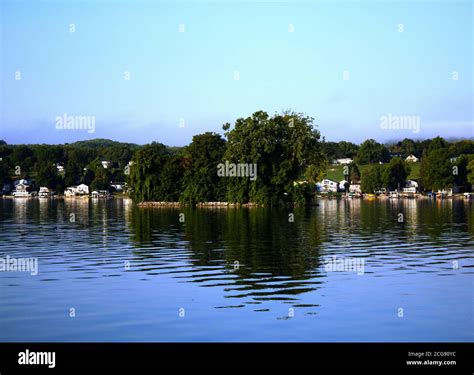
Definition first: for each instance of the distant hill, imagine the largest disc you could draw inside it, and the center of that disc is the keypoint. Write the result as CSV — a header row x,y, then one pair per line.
x,y
100,143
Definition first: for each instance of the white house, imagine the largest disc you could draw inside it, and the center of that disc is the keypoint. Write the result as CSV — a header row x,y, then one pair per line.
x,y
449,191
82,189
105,163
411,186
70,191
327,186
411,158
342,161
60,167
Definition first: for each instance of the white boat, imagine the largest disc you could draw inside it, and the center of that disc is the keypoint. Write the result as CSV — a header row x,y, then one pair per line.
x,y
44,192
394,195
22,190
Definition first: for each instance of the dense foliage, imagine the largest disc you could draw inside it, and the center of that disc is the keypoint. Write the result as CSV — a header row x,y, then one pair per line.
x,y
59,166
286,150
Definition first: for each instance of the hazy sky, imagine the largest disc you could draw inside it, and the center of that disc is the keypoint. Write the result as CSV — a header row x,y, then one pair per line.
x,y
234,58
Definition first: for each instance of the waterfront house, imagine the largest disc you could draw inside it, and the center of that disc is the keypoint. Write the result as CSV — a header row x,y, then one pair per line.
x,y
60,168
448,191
411,186
327,186
79,190
411,158
342,161
70,191
105,163
82,189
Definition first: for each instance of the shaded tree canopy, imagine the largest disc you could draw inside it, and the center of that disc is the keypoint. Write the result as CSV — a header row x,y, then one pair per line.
x,y
283,147
395,173
436,170
201,182
371,151
372,179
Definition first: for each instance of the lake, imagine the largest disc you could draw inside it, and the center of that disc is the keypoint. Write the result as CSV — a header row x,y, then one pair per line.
x,y
344,271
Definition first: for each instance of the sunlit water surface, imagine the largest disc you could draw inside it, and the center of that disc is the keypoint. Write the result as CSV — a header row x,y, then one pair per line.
x,y
136,274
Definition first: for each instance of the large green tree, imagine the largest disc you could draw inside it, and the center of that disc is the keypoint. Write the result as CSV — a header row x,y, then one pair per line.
x,y
464,147
46,175
371,179
371,151
408,147
436,170
201,181
171,178
461,172
145,171
395,173
283,147
354,173
437,143
470,172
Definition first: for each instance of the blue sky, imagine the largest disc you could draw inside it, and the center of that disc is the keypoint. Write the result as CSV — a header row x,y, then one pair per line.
x,y
191,75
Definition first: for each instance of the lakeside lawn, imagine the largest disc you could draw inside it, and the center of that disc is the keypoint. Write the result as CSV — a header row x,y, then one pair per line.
x,y
335,172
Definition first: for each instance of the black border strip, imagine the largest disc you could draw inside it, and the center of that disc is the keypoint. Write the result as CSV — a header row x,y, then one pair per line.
x,y
230,356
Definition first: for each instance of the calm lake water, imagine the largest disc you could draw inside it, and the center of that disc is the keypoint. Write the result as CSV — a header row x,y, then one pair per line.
x,y
137,274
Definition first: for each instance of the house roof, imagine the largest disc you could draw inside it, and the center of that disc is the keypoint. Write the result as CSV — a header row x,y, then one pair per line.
x,y
328,179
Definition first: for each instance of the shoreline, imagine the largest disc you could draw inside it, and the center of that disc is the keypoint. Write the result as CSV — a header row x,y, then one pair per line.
x,y
328,196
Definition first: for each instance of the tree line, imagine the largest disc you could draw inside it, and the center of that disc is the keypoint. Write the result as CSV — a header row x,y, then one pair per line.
x,y
81,162
442,165
370,151
287,148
